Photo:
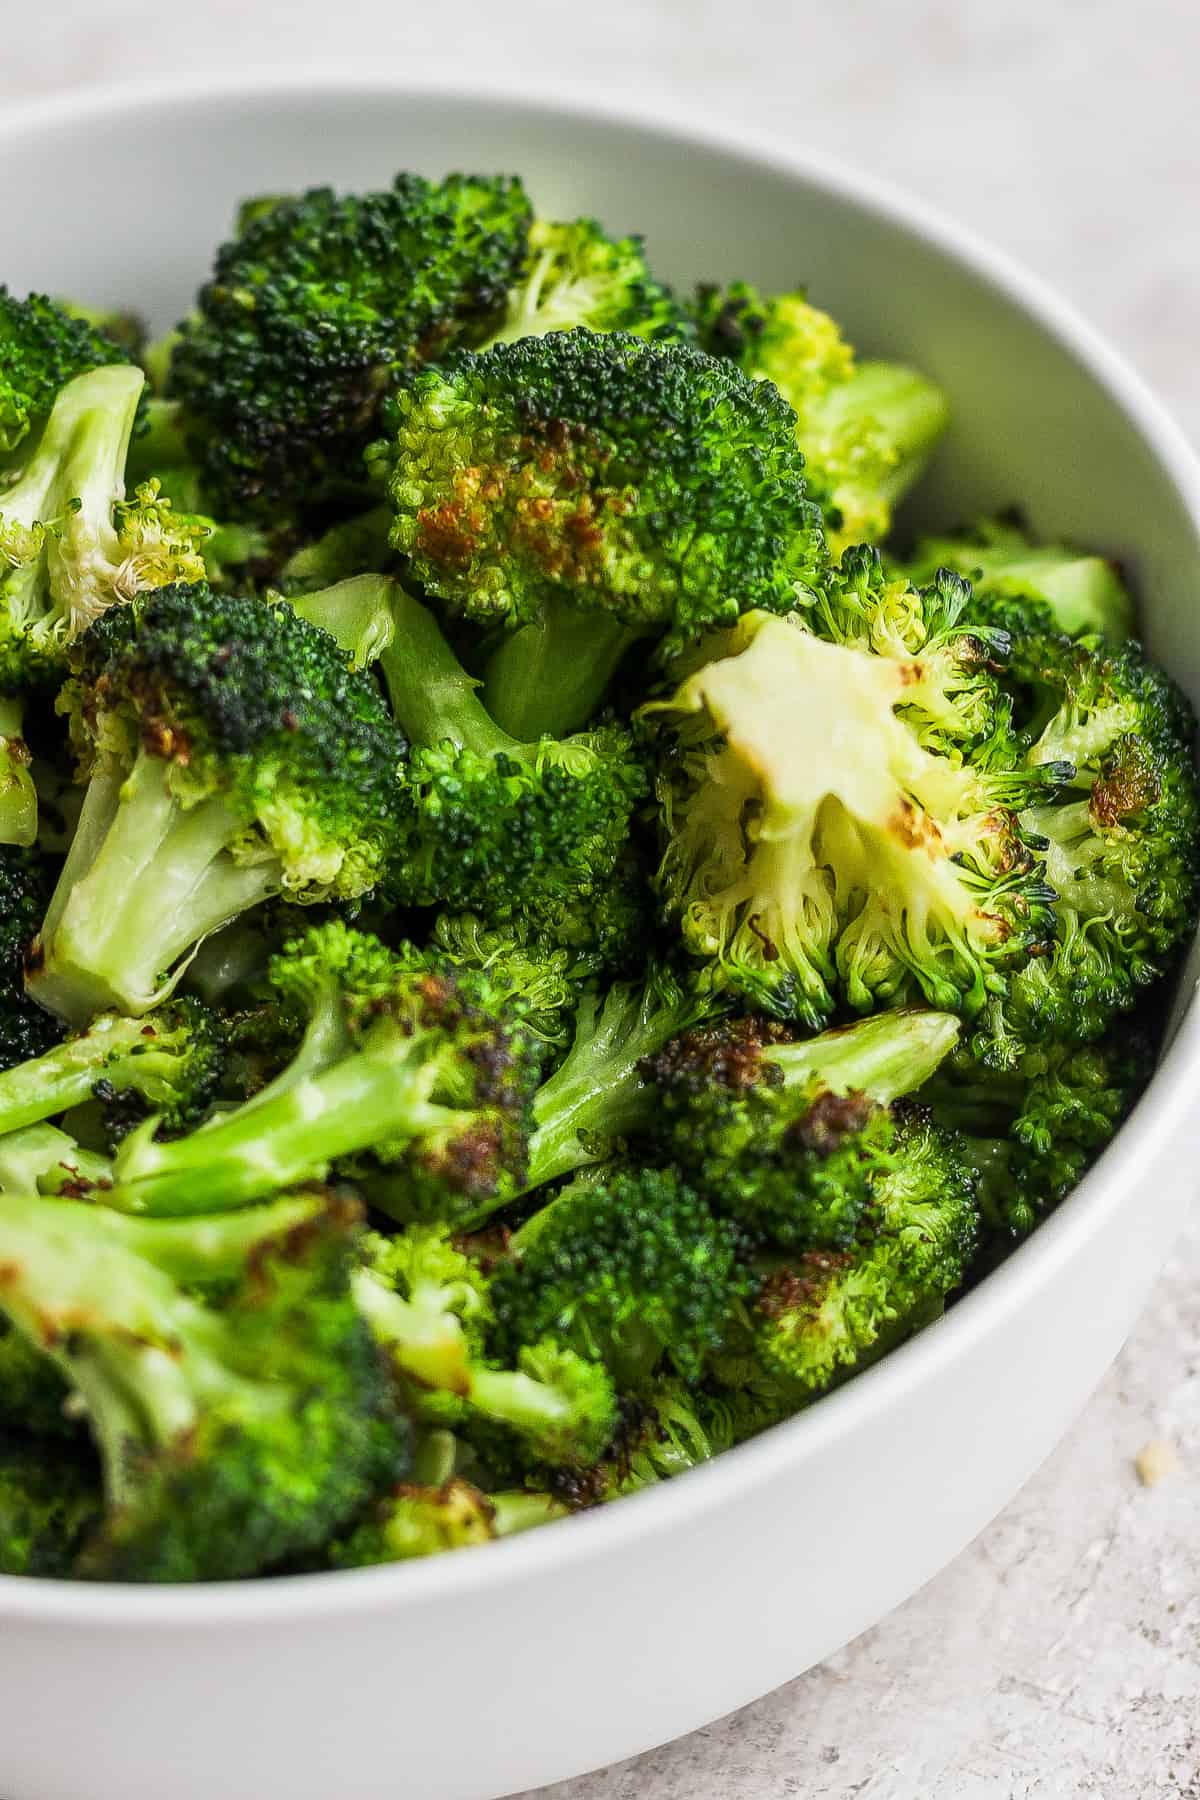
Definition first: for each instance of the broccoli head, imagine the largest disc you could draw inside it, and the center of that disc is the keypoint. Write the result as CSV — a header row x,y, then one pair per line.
x,y
43,346
232,754
316,309
27,880
1046,587
866,429
787,1138
575,274
234,1436
51,1502
582,490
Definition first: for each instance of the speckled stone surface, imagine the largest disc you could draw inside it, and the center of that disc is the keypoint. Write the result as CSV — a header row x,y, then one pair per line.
x,y
1060,1655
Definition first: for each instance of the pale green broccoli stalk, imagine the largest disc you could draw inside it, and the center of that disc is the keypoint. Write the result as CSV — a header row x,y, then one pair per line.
x,y
424,1520
18,795
1080,592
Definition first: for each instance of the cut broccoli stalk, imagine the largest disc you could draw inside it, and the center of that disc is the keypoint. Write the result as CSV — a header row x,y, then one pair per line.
x,y
18,795
550,675
42,1159
358,612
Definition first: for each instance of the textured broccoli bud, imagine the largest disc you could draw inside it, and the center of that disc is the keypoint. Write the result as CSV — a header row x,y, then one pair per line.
x,y
817,851
790,1139
627,1268
233,755
314,312
1071,590
51,1502
26,883
43,346
233,1436
415,1082
866,429
584,490
70,546
575,275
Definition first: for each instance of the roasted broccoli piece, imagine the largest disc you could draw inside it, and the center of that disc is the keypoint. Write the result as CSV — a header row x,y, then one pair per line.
x,y
318,307
546,980
27,880
576,275
233,1435
169,1061
51,1502
414,1082
43,346
422,1520
790,1138
232,755
818,852
866,429
1021,583
582,491
18,794
628,1268
429,1304
822,1315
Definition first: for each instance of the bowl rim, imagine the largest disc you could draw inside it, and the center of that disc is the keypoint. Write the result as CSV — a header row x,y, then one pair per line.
x,y
590,1536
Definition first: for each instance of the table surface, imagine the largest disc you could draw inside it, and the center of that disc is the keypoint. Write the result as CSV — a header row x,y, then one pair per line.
x,y
1060,1654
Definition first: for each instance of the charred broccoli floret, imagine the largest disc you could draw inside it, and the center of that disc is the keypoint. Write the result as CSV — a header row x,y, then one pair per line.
x,y
421,1520
233,1435
1023,584
818,852
790,1139
231,755
316,309
866,429
583,490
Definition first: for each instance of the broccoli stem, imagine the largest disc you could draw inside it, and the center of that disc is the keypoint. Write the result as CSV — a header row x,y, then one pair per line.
x,y
547,679
145,880
432,696
18,795
122,1051
358,612
426,1341
518,1509
890,1054
378,1095
83,555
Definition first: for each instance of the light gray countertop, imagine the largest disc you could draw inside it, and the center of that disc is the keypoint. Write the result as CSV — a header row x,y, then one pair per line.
x,y
1060,1654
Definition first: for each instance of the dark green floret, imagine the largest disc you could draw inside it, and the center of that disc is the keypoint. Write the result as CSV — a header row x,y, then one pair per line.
x,y
583,490
51,1502
27,880
232,755
791,1138
234,1435
42,347
316,309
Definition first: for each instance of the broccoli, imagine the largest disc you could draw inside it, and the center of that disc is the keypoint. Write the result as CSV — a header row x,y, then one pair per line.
x,y
627,1268
41,1158
599,1094
42,348
169,1061
125,330
233,756
547,980
51,1503
413,1082
417,1520
1031,1131
27,880
18,794
315,311
789,1138
1120,837
821,1315
866,429
583,491
357,546
233,1435
429,1304
818,853
517,831
661,1434
576,275
1071,590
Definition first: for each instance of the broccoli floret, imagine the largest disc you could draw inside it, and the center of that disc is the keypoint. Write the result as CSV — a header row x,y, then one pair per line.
x,y
357,546
516,831
866,429
233,755
125,330
429,1304
70,546
169,1062
414,1082
584,490
789,1138
818,852
42,348
1120,837
661,1434
423,1520
546,980
627,1269
1031,1131
316,309
233,1436
51,1502
576,275
18,794
27,880
1067,590
820,1316
599,1094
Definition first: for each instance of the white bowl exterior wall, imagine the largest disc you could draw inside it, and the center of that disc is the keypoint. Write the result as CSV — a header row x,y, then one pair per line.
x,y
529,1661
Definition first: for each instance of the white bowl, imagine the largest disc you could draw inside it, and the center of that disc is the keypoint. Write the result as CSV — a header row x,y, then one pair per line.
x,y
498,1669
